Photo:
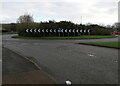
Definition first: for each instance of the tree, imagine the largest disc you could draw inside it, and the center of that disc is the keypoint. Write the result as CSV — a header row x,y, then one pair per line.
x,y
25,19
13,27
24,22
116,27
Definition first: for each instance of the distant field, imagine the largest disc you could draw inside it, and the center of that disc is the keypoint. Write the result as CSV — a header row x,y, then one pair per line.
x,y
107,44
76,37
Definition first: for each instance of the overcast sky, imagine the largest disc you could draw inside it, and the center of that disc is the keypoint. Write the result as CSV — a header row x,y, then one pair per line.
x,y
92,11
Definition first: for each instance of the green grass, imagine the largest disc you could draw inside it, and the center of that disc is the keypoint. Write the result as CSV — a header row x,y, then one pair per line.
x,y
76,37
107,44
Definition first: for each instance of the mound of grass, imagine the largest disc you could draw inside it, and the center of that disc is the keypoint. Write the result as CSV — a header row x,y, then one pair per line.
x,y
105,44
76,37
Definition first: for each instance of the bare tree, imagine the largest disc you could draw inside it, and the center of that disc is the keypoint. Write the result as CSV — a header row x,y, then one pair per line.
x,y
25,19
116,27
24,22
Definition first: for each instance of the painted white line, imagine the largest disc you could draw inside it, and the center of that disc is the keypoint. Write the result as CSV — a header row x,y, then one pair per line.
x,y
0,60
91,55
68,83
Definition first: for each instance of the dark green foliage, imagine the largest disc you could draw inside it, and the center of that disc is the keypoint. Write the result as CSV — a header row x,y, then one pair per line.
x,y
4,31
21,28
98,30
12,27
95,29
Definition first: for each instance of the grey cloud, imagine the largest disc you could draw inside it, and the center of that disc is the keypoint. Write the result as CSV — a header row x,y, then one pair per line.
x,y
92,11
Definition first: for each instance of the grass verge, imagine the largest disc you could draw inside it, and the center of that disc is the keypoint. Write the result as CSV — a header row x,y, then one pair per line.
x,y
76,37
104,44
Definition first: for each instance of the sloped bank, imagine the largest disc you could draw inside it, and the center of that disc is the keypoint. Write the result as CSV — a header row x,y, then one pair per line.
x,y
73,37
115,45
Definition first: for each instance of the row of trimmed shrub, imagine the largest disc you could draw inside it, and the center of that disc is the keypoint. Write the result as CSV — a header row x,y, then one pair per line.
x,y
95,29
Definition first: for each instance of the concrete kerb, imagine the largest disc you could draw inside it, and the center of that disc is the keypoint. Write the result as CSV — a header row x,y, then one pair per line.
x,y
33,62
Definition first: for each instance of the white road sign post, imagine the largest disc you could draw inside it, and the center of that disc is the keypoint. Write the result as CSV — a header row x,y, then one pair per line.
x,y
81,30
68,33
31,30
43,32
66,30
74,31
54,31
85,31
47,30
63,32
77,32
27,30
51,30
39,30
35,30
70,30
89,32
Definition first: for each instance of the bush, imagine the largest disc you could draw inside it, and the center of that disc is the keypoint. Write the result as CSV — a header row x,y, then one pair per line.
x,y
100,31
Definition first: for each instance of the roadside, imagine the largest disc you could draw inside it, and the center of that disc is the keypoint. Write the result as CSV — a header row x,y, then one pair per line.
x,y
69,37
17,70
115,45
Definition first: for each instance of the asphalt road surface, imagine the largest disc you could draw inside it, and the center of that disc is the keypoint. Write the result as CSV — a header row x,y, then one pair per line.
x,y
14,63
65,60
18,70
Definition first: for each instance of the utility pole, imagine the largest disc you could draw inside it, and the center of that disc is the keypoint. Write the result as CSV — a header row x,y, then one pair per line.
x,y
118,16
81,19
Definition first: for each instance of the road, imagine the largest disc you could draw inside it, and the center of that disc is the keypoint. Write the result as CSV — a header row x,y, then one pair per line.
x,y
65,60
17,70
13,60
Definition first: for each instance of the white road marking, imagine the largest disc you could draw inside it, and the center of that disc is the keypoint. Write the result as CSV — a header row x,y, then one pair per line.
x,y
68,83
0,60
91,55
